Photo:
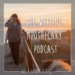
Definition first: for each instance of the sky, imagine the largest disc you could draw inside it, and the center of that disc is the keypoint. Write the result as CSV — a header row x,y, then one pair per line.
x,y
39,11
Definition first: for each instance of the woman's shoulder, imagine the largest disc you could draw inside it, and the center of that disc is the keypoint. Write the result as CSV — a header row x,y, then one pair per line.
x,y
19,25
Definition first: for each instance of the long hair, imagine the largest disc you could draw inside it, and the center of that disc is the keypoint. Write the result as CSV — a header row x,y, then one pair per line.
x,y
16,16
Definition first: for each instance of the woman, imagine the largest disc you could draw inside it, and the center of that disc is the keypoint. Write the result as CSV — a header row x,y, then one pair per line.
x,y
14,37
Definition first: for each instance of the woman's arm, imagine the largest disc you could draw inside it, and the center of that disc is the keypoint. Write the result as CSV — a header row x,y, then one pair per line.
x,y
7,24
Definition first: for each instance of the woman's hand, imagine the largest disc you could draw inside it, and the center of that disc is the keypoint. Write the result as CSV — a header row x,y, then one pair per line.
x,y
23,34
11,19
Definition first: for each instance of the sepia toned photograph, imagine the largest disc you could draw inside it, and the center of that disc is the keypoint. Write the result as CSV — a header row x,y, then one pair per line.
x,y
37,37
